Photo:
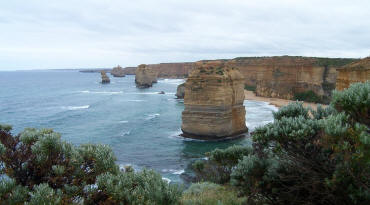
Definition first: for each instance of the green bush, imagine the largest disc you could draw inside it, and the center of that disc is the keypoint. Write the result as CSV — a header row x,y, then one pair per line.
x,y
250,88
218,167
308,96
322,158
209,194
40,168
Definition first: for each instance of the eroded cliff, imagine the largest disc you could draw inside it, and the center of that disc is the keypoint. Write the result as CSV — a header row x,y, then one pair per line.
x,y
145,76
214,102
118,72
353,73
172,70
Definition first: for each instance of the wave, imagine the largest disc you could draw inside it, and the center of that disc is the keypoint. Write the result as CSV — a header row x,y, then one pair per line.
x,y
166,179
171,81
134,100
76,107
123,121
125,133
152,116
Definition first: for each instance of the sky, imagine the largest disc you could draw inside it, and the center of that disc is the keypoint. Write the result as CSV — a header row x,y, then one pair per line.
x,y
55,34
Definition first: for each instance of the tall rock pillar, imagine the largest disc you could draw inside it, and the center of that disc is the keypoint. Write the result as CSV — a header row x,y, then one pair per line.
x,y
214,102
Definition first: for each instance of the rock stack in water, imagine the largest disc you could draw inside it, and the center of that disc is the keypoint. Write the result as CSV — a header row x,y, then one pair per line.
x,y
145,76
104,78
180,93
214,99
118,72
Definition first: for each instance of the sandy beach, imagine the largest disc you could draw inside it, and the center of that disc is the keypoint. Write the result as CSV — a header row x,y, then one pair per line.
x,y
250,95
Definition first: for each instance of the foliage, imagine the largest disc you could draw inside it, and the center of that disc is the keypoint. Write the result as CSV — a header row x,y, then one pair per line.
x,y
334,62
250,88
209,194
308,96
322,158
40,168
218,167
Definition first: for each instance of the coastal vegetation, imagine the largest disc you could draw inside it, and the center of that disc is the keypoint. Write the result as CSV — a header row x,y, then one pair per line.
x,y
304,157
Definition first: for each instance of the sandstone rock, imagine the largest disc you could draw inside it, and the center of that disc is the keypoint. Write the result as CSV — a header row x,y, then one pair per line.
x,y
180,93
214,102
104,78
172,70
118,72
145,76
129,70
353,73
162,93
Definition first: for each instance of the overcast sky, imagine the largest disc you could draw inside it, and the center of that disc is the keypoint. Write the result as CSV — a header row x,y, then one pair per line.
x,y
41,34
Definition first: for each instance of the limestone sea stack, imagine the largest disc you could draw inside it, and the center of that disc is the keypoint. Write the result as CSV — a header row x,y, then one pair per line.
x,y
180,93
118,72
214,102
145,76
104,78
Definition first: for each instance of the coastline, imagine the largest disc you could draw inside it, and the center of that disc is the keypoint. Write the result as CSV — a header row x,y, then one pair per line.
x,y
250,95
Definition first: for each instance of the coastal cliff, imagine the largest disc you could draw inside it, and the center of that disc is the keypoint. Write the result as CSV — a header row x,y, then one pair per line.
x,y
353,73
172,70
129,70
213,102
286,76
145,76
117,72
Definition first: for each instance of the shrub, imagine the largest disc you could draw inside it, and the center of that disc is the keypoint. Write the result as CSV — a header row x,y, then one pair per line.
x,y
209,194
308,96
250,88
319,159
218,167
40,168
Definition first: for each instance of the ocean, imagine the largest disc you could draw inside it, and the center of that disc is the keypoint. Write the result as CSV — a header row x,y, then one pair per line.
x,y
140,125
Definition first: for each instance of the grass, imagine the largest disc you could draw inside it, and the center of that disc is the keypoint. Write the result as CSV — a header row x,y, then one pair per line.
x,y
207,193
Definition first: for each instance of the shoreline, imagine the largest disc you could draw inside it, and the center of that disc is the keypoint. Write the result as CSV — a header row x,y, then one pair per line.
x,y
278,102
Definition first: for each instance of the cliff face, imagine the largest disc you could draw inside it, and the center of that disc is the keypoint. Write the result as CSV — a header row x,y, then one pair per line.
x,y
353,73
145,76
172,70
129,70
284,76
117,72
213,102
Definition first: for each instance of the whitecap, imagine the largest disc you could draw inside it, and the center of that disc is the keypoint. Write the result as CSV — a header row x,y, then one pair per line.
x,y
178,172
123,121
166,179
125,133
152,116
171,81
76,107
134,100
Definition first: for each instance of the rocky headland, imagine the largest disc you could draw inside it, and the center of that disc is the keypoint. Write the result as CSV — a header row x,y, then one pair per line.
x,y
104,78
117,72
145,76
214,102
180,92
353,73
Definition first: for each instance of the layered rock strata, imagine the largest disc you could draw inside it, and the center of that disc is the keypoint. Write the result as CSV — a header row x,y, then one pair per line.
x,y
172,70
214,102
129,70
118,72
145,76
180,92
353,73
104,78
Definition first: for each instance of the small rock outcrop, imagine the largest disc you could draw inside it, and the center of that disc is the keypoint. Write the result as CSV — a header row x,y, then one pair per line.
x,y
180,93
353,73
213,102
118,72
145,76
104,78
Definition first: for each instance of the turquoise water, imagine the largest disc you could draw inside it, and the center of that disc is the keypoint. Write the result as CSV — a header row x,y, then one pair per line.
x,y
140,125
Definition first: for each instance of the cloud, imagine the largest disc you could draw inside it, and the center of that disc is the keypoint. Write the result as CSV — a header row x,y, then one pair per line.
x,y
94,33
